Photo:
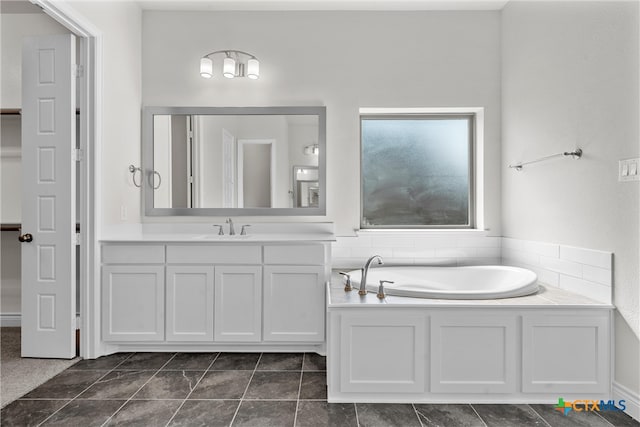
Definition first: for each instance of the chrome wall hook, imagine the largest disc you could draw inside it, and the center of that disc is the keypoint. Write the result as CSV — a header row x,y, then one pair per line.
x,y
133,171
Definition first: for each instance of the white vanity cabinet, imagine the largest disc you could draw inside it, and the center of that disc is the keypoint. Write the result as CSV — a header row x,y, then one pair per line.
x,y
294,291
133,293
215,296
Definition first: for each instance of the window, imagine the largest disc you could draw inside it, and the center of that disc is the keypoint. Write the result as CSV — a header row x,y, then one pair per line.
x,y
417,170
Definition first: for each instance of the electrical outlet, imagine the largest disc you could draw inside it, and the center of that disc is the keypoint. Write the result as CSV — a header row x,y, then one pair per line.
x,y
123,213
628,170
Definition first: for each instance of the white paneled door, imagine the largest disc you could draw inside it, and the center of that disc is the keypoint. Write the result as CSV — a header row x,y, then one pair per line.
x,y
48,197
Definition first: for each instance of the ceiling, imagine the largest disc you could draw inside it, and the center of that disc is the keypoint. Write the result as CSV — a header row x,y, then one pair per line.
x,y
282,5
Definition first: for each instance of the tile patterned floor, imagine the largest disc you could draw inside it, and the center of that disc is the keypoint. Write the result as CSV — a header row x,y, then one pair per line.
x,y
222,389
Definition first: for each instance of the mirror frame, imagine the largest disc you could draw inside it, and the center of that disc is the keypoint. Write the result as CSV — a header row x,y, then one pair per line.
x,y
147,160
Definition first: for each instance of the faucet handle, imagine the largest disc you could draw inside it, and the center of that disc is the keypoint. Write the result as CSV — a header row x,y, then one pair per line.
x,y
243,232
220,232
381,288
347,284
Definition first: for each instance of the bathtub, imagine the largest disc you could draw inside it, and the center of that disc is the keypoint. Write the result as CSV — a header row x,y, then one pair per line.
x,y
471,282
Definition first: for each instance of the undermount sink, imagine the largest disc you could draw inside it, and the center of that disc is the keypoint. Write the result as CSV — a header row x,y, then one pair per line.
x,y
221,237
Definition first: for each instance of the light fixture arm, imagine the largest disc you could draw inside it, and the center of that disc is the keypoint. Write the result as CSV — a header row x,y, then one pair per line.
x,y
228,53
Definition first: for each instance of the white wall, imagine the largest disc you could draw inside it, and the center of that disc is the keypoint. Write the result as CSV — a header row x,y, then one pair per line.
x,y
120,25
570,78
344,60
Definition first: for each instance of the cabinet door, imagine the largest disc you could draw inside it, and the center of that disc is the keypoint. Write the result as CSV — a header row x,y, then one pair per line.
x,y
238,304
133,303
473,353
565,353
190,303
294,306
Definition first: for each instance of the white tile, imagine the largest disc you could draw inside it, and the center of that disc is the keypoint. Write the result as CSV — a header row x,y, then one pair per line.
x,y
509,243
478,261
588,289
353,242
541,248
368,252
488,252
392,242
434,242
478,242
596,274
455,252
399,261
414,253
548,277
340,252
521,256
561,266
591,257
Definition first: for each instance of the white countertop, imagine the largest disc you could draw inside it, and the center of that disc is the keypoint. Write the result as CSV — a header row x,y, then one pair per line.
x,y
546,297
207,233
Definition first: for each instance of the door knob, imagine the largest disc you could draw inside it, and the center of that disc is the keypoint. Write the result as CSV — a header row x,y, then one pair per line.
x,y
25,238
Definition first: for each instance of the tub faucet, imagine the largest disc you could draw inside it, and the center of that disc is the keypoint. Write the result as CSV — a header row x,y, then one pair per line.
x,y
365,271
232,230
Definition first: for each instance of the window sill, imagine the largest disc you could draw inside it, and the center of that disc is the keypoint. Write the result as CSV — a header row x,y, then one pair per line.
x,y
422,232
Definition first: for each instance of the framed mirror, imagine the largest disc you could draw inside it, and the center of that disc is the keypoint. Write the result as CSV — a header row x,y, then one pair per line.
x,y
240,161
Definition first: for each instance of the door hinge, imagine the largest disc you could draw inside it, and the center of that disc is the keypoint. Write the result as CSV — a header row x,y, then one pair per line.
x,y
78,70
76,155
189,180
76,239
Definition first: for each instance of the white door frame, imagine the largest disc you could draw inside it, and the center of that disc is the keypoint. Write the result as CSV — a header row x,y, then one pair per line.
x,y
240,168
90,105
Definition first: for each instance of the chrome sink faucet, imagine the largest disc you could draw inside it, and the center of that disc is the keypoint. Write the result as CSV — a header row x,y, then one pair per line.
x,y
232,231
365,271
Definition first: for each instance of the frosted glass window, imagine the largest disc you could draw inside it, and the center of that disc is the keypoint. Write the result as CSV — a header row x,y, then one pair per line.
x,y
416,171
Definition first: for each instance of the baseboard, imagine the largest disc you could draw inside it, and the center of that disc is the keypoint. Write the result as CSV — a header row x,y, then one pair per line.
x,y
631,399
10,320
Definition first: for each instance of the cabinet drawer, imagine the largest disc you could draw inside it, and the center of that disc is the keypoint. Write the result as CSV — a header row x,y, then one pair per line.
x,y
218,254
295,254
133,254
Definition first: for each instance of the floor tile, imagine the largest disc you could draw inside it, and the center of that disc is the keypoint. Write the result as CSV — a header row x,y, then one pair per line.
x,y
261,413
190,362
274,385
209,413
314,385
280,362
236,361
577,419
146,361
170,385
619,419
317,414
85,413
29,412
104,362
448,415
222,385
386,414
117,385
66,385
145,413
508,415
314,362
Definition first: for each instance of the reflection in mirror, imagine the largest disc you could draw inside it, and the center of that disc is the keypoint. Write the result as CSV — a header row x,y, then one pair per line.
x,y
227,161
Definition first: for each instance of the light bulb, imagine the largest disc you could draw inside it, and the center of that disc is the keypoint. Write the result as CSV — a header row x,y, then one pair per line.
x,y
253,68
229,68
206,67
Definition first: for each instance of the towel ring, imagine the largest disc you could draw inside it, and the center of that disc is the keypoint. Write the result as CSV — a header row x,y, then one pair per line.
x,y
152,179
133,171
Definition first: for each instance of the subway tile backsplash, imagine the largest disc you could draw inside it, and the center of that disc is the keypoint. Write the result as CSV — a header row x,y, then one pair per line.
x,y
584,271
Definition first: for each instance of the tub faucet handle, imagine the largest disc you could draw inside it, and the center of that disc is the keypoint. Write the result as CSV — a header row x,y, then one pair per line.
x,y
381,288
347,283
220,232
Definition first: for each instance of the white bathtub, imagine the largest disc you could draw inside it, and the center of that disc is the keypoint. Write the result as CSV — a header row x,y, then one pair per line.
x,y
472,282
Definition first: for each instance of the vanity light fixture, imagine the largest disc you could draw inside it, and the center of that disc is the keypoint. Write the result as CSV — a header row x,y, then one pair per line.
x,y
234,64
311,149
